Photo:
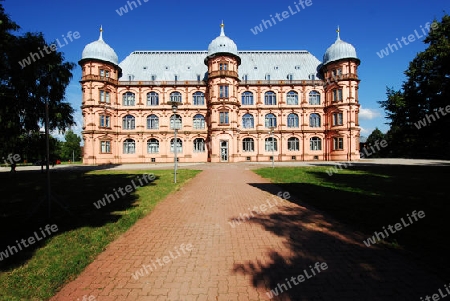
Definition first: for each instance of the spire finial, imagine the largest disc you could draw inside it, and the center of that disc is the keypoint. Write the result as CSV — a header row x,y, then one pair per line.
x,y
222,32
101,33
338,35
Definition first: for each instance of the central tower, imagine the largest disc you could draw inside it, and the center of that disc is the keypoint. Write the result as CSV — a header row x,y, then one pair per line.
x,y
222,99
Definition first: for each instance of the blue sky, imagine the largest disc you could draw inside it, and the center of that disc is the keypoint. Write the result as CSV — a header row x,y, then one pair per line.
x,y
191,25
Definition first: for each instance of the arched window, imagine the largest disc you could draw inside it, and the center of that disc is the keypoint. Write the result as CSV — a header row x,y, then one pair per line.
x,y
247,98
179,145
271,144
152,122
152,99
199,122
292,98
129,146
199,145
293,144
175,96
128,99
248,145
129,122
315,143
175,122
271,120
314,98
270,98
292,120
198,98
314,120
152,146
247,121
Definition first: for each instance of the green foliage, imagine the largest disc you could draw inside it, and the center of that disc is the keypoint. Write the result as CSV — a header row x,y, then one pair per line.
x,y
425,92
376,135
71,147
25,89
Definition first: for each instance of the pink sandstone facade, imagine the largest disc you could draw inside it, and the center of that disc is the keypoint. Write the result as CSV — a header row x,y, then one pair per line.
x,y
235,106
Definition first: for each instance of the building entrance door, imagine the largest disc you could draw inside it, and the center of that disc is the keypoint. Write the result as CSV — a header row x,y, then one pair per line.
x,y
224,150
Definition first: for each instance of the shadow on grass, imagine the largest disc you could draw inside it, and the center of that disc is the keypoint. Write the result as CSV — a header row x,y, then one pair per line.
x,y
25,208
363,202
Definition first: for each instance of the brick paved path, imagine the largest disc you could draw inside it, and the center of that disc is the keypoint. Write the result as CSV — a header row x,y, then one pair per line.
x,y
245,261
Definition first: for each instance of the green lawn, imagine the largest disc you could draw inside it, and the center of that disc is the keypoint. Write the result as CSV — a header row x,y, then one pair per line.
x,y
370,197
38,271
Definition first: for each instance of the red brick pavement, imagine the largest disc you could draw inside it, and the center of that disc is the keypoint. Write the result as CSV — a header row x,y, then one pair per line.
x,y
245,261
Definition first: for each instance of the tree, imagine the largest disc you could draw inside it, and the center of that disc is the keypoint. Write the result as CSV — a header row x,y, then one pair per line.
x,y
417,112
26,88
376,135
71,147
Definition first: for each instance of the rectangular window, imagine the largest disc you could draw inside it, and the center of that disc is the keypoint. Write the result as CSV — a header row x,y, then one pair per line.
x,y
338,143
223,66
104,73
105,121
337,95
104,96
105,146
338,119
223,116
223,91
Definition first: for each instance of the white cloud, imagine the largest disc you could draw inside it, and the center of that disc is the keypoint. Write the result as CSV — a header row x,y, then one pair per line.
x,y
368,114
364,132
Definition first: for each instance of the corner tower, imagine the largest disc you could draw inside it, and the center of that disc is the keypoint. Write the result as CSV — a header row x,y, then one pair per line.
x,y
222,98
100,74
341,83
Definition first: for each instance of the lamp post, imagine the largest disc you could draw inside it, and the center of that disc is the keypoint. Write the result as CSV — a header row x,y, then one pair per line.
x,y
175,105
272,128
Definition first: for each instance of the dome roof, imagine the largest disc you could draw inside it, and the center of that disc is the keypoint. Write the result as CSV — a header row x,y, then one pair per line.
x,y
100,50
339,50
222,44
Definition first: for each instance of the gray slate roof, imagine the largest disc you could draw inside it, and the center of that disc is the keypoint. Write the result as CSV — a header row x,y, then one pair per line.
x,y
164,65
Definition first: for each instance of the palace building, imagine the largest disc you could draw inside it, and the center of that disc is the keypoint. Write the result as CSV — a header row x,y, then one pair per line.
x,y
233,106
